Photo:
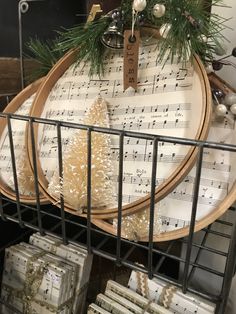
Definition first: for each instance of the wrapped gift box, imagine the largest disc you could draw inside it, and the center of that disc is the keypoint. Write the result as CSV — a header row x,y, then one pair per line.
x,y
172,297
110,305
95,309
124,302
35,308
75,254
133,297
37,279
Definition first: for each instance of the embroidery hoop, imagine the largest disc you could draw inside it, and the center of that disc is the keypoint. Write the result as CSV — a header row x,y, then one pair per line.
x,y
12,107
106,213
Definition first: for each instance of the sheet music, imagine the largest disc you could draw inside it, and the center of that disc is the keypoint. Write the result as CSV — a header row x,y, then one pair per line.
x,y
217,177
18,133
166,102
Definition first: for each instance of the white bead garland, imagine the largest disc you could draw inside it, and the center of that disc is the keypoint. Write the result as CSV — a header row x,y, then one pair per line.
x,y
233,108
203,38
139,5
158,10
220,110
164,30
230,99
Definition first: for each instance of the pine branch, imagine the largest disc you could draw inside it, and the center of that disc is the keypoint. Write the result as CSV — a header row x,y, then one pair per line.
x,y
45,54
194,30
87,39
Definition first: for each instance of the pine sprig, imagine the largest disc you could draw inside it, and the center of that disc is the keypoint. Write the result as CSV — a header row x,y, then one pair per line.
x,y
87,39
184,37
45,54
194,30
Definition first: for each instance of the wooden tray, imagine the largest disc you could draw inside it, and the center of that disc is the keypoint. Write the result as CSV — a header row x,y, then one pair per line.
x,y
23,98
64,83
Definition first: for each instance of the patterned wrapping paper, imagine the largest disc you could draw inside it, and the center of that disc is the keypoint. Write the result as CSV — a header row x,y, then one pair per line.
x,y
95,309
75,254
36,308
126,296
35,281
121,300
110,305
169,296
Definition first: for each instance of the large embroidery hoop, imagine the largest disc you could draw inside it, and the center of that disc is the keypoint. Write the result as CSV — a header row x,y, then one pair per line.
x,y
204,103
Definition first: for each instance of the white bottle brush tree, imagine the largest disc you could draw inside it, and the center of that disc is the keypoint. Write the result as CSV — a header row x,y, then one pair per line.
x,y
73,185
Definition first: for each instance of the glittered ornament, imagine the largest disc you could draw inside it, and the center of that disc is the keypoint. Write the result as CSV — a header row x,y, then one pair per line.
x,y
233,108
220,110
164,30
139,5
73,185
25,177
136,226
230,99
158,10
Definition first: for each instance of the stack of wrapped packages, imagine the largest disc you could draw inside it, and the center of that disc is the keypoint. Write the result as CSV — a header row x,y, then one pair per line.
x,y
45,276
145,296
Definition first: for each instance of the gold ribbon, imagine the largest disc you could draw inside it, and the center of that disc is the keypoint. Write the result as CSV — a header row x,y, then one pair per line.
x,y
167,295
34,277
147,307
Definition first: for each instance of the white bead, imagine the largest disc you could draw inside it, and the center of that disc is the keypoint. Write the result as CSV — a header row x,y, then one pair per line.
x,y
158,10
220,110
203,38
233,109
230,99
139,5
164,30
209,68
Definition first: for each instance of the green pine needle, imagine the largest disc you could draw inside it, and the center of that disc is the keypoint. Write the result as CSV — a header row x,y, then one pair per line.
x,y
45,54
87,39
191,22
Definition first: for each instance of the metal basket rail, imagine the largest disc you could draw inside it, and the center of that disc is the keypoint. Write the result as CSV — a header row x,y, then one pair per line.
x,y
49,219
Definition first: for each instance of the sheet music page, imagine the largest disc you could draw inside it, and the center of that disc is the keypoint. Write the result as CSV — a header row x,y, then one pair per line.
x,y
166,102
18,133
217,178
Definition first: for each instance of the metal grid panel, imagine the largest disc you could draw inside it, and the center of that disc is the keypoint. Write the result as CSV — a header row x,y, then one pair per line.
x,y
53,220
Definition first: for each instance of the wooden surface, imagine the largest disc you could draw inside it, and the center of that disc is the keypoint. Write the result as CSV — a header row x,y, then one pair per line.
x,y
10,74
218,83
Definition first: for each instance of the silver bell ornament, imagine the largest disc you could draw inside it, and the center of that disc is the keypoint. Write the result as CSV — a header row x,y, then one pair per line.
x,y
113,37
139,5
158,10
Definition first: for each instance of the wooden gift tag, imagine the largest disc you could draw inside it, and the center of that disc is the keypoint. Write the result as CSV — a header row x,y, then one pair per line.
x,y
131,48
